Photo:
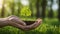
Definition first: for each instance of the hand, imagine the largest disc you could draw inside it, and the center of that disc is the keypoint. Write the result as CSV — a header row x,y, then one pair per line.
x,y
16,20
39,20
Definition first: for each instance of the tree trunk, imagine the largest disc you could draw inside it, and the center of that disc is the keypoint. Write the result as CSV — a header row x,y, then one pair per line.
x,y
31,8
59,11
18,8
12,7
3,9
50,15
37,11
44,3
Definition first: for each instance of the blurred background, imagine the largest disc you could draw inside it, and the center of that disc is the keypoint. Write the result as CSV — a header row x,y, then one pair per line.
x,y
30,10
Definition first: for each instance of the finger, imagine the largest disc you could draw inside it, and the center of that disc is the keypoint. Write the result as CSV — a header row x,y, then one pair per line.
x,y
17,20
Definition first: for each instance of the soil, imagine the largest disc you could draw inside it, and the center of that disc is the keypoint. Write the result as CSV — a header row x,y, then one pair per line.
x,y
29,22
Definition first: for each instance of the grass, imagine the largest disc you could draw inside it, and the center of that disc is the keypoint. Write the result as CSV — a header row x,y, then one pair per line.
x,y
48,26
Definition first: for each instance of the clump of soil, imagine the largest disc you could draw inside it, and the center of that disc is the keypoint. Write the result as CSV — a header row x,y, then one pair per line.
x,y
29,22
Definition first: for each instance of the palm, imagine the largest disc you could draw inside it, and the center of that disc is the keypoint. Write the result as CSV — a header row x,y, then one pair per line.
x,y
16,22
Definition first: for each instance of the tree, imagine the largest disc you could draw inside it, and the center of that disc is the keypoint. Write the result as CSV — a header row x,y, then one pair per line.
x,y
12,7
50,14
3,9
59,10
44,3
37,7
31,7
19,7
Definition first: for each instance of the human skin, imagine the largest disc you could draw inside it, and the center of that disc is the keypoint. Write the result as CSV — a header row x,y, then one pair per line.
x,y
3,22
27,27
6,21
18,23
16,20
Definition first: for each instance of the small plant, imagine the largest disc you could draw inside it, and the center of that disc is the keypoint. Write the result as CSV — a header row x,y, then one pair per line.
x,y
25,11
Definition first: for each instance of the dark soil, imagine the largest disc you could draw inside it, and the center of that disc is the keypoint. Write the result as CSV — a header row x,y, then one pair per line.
x,y
29,22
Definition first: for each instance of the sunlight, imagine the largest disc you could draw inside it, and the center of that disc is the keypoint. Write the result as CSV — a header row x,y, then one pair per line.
x,y
55,7
25,2
1,3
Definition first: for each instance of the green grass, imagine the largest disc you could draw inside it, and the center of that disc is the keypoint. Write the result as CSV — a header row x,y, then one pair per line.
x,y
48,26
